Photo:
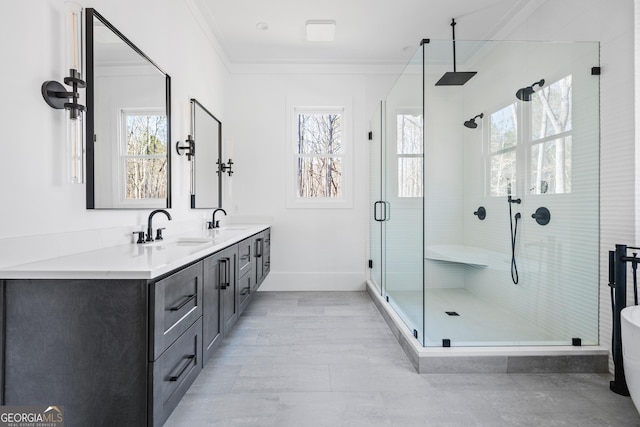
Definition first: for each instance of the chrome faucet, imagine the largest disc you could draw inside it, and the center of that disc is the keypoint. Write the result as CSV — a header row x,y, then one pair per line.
x,y
150,228
213,223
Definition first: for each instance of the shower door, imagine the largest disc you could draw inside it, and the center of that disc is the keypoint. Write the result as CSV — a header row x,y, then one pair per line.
x,y
396,161
376,212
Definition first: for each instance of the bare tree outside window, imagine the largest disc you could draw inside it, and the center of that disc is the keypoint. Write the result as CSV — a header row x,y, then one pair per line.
x,y
319,155
410,154
551,138
503,140
145,156
546,141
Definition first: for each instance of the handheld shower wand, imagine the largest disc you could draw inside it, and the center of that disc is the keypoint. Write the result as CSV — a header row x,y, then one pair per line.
x,y
514,233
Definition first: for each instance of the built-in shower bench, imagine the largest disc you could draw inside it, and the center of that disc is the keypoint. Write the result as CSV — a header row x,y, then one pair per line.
x,y
458,253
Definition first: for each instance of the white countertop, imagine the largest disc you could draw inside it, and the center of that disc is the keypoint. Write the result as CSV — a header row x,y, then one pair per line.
x,y
134,261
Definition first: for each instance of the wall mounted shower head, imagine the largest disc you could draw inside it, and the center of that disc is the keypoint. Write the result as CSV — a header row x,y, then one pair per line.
x,y
524,94
471,123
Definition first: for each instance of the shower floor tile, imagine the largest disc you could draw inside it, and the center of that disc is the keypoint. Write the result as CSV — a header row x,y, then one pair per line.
x,y
478,322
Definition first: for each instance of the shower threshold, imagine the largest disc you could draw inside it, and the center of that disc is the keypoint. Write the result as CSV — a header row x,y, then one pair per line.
x,y
513,359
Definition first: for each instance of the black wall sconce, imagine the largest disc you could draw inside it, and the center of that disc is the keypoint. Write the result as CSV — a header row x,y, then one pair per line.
x,y
190,147
225,167
57,96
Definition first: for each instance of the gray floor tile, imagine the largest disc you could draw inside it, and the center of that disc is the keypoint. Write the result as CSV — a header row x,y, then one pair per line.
x,y
331,409
328,359
282,378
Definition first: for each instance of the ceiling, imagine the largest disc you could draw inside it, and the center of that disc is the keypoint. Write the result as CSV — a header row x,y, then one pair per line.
x,y
367,31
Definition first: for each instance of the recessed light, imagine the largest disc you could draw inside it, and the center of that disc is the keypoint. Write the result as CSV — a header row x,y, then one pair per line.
x,y
262,26
321,30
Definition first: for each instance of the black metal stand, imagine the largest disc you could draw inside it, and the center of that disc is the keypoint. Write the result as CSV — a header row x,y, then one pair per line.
x,y
618,283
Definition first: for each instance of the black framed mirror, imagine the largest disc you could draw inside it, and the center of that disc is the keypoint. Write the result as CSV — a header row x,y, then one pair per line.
x,y
128,122
206,182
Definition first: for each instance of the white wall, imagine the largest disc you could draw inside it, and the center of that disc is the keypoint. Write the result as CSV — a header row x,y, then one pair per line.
x,y
313,249
35,199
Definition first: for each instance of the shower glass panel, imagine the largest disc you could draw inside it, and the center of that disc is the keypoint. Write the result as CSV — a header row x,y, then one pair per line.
x,y
397,196
376,213
537,149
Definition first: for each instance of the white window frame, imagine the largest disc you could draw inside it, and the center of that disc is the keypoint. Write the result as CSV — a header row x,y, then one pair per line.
x,y
120,178
340,105
522,149
414,111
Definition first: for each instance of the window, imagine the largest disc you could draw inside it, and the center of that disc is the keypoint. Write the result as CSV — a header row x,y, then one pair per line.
x,y
550,167
409,151
503,139
534,136
320,152
143,155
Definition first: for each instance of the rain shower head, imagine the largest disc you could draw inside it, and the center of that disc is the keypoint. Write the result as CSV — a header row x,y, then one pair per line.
x,y
455,78
524,94
471,123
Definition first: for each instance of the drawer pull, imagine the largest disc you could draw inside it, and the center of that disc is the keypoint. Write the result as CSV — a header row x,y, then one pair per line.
x,y
183,303
246,291
244,257
224,273
259,248
184,368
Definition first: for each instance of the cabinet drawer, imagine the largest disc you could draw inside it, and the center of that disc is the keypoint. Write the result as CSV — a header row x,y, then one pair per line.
x,y
176,303
244,256
174,372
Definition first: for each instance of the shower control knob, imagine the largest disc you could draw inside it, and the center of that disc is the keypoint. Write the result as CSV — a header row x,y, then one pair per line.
x,y
481,213
542,216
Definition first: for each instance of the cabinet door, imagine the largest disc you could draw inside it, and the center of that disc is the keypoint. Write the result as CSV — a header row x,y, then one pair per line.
x,y
227,276
266,255
258,265
211,325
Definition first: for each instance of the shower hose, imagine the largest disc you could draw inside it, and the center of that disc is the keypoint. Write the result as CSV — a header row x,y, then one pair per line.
x,y
514,233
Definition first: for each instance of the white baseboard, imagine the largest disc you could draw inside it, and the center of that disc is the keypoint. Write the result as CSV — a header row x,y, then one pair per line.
x,y
313,282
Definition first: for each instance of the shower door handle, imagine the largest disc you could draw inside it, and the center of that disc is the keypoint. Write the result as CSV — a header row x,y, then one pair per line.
x,y
385,211
375,211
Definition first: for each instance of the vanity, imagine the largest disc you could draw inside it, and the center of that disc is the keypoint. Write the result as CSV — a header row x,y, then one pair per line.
x,y
117,335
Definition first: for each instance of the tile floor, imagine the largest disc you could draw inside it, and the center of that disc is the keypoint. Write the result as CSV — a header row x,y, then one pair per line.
x,y
307,359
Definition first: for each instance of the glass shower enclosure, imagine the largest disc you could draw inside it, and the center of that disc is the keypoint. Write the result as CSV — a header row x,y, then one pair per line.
x,y
484,223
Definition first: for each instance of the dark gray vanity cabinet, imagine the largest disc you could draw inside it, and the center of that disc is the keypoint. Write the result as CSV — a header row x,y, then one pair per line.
x,y
122,352
111,352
